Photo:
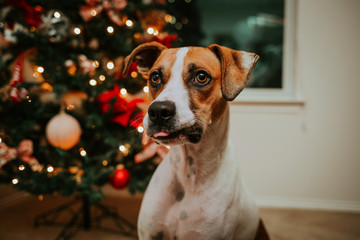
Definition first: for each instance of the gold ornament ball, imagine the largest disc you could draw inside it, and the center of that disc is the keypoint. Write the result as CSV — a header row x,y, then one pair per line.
x,y
63,131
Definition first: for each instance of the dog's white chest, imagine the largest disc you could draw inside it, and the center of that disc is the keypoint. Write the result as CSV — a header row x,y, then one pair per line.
x,y
215,209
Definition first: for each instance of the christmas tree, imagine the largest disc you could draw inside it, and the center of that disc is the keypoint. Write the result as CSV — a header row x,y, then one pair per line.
x,y
70,122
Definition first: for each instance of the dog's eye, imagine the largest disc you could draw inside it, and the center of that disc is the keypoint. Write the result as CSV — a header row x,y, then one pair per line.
x,y
155,78
201,77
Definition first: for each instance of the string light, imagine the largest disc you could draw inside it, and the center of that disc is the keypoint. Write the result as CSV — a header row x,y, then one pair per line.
x,y
185,20
173,20
93,82
82,152
70,107
41,197
123,91
104,163
46,86
122,148
40,69
129,23
137,35
77,30
57,15
0,140
156,32
110,65
96,64
110,29
50,169
178,26
93,13
140,129
15,181
150,30
146,89
21,167
134,74
168,18
102,78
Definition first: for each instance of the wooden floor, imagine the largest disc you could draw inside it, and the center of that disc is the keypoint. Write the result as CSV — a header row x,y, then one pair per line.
x,y
16,222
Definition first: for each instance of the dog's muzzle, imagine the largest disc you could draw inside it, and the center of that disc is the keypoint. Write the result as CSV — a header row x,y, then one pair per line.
x,y
163,125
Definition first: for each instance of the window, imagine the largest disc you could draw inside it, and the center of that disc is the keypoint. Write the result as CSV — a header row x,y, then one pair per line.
x,y
266,27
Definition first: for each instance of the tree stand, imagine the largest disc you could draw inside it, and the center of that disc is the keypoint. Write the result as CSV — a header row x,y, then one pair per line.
x,y
82,218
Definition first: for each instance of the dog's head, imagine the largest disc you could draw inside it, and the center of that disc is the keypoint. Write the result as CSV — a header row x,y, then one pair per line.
x,y
189,87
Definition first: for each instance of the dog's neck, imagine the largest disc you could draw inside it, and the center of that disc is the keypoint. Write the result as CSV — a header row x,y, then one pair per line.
x,y
196,163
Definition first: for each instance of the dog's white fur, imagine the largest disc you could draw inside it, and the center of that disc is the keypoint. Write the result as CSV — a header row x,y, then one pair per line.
x,y
175,91
196,192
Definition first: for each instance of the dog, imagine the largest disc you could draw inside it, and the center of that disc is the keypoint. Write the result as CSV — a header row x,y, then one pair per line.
x,y
196,192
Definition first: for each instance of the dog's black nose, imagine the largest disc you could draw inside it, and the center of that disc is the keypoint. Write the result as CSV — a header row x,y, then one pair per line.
x,y
160,112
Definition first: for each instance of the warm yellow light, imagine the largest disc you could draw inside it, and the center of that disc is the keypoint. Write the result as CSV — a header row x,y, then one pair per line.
x,y
46,86
82,152
96,64
140,129
137,35
104,163
70,107
77,30
93,12
156,32
146,89
57,14
93,82
21,167
150,30
168,18
50,169
122,148
40,69
0,140
15,181
102,78
134,74
110,29
129,23
123,91
110,65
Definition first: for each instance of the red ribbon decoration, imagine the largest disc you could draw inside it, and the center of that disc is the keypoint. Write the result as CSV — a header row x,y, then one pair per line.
x,y
94,7
166,41
31,16
123,110
24,152
16,94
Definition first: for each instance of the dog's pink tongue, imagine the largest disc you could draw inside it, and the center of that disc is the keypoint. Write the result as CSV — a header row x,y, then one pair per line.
x,y
161,134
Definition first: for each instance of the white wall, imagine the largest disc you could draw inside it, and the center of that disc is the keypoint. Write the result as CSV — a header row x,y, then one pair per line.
x,y
309,156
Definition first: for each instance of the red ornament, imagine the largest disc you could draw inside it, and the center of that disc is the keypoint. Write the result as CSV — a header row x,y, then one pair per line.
x,y
120,179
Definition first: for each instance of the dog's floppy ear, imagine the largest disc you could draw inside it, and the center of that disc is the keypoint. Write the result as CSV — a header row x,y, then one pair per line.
x,y
236,67
145,54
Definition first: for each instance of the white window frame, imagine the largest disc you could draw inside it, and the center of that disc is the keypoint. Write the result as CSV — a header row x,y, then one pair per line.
x,y
289,93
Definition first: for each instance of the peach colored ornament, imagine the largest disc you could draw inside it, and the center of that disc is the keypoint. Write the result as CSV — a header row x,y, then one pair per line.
x,y
63,131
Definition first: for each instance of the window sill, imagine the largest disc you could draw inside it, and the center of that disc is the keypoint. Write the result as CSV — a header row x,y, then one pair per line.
x,y
273,102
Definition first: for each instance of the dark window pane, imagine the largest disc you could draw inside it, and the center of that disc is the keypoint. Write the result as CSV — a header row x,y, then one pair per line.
x,y
249,25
